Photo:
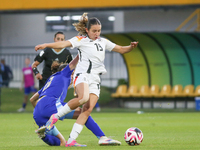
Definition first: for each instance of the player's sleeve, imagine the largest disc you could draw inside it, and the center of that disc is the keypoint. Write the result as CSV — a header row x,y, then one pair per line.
x,y
40,57
67,72
75,41
109,45
40,91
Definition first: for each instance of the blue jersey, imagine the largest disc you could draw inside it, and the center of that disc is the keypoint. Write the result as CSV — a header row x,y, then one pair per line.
x,y
53,95
57,85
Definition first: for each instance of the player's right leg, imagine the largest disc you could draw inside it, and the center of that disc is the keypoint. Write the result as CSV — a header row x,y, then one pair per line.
x,y
50,123
41,114
83,97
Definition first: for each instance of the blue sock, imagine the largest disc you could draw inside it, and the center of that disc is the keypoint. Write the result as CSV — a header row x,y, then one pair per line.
x,y
97,105
51,140
94,127
24,105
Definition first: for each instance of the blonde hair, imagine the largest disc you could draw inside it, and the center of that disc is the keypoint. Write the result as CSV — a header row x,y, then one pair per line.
x,y
82,24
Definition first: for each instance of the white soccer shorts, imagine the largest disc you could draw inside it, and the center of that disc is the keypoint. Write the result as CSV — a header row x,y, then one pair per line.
x,y
93,80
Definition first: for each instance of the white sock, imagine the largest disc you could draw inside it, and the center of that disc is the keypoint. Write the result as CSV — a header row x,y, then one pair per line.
x,y
76,130
65,110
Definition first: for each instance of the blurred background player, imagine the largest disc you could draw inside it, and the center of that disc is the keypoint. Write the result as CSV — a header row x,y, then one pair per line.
x,y
48,55
97,106
1,80
7,74
28,83
1,72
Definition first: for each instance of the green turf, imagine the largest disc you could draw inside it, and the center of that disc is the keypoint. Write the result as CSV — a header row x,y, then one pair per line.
x,y
170,129
162,131
12,98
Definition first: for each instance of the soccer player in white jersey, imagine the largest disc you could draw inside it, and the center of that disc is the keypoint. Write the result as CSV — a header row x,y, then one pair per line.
x,y
91,49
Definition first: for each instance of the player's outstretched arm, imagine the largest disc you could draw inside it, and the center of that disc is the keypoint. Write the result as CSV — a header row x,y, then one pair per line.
x,y
61,44
74,62
34,99
125,49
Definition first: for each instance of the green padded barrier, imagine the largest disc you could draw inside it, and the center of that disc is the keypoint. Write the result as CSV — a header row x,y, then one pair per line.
x,y
155,58
192,47
181,68
134,60
161,58
197,35
175,55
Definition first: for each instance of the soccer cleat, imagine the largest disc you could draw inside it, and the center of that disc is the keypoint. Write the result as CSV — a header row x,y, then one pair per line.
x,y
41,132
74,144
98,109
50,123
107,141
21,110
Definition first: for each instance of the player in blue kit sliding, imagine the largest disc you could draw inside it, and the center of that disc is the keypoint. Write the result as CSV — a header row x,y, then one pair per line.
x,y
50,99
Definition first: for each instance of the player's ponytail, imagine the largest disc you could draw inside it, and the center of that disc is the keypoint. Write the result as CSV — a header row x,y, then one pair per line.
x,y
84,23
54,67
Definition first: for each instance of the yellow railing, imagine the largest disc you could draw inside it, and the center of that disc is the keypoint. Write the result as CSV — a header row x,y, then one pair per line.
x,y
188,20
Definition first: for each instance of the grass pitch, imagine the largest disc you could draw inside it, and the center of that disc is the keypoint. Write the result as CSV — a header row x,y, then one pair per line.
x,y
162,131
172,129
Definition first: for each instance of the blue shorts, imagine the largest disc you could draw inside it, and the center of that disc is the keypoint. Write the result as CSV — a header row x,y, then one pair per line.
x,y
30,89
46,107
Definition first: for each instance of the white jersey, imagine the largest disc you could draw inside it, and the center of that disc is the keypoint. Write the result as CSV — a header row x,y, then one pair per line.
x,y
91,54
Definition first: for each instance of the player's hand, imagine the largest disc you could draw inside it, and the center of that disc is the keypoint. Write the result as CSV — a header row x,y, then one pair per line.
x,y
41,46
134,44
38,76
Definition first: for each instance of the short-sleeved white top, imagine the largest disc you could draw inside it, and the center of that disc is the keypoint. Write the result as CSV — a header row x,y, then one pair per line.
x,y
91,54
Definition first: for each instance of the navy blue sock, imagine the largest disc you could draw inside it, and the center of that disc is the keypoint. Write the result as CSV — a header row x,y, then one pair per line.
x,y
97,105
94,127
24,105
51,140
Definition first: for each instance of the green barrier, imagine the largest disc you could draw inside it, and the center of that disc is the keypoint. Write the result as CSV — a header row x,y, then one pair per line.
x,y
161,58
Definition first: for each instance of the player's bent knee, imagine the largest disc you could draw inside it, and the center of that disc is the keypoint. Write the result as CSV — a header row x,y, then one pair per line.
x,y
84,99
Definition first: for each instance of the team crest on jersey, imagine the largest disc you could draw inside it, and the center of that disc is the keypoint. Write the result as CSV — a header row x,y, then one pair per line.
x,y
79,38
56,59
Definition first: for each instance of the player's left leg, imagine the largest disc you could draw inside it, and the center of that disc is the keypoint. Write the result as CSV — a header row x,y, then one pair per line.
x,y
81,120
52,138
27,91
90,123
